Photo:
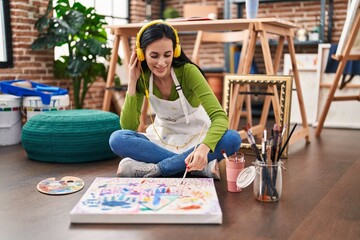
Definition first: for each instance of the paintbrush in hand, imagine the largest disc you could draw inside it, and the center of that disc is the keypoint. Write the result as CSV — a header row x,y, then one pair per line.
x,y
197,142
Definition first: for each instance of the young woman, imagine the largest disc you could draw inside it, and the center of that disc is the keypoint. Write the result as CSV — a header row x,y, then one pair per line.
x,y
190,127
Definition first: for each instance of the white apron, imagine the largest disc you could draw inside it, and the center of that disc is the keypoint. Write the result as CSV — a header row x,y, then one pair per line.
x,y
176,122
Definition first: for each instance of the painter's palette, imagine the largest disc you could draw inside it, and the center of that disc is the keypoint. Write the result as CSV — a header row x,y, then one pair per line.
x,y
149,200
66,185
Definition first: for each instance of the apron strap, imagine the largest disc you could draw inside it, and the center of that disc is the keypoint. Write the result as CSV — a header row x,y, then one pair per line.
x,y
181,96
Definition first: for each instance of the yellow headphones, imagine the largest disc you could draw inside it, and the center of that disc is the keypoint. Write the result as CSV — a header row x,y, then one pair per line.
x,y
139,51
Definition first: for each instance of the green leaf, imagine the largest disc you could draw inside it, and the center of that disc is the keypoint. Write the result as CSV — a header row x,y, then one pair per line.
x,y
97,69
39,43
72,22
79,7
77,65
42,24
100,36
63,2
60,67
95,47
44,21
45,42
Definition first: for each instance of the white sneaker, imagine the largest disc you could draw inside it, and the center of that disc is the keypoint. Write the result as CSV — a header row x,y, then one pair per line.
x,y
132,168
211,170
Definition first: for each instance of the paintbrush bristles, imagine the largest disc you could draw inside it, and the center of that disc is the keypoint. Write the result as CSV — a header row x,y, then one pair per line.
x,y
225,155
252,142
271,148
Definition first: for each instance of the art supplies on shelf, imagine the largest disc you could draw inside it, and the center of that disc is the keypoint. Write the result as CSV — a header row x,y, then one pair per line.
x,y
149,200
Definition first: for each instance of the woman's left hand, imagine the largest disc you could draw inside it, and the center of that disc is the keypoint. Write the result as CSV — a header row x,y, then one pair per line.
x,y
198,160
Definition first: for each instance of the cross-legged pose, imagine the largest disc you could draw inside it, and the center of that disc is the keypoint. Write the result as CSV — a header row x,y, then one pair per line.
x,y
187,113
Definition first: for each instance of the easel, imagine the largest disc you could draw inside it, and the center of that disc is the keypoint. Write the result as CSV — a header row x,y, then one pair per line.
x,y
261,30
226,37
346,56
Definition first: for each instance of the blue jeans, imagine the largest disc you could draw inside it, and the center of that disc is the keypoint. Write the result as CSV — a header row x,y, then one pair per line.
x,y
128,143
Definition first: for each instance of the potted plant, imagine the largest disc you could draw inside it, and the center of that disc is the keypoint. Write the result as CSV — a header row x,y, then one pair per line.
x,y
314,34
170,12
81,30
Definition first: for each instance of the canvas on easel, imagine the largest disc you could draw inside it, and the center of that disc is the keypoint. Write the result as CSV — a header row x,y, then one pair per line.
x,y
307,66
345,34
346,51
340,115
149,200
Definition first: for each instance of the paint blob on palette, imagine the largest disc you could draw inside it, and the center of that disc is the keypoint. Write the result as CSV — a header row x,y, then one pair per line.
x,y
149,200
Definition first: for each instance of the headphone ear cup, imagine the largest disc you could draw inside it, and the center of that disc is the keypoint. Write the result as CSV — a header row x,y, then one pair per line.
x,y
140,54
177,51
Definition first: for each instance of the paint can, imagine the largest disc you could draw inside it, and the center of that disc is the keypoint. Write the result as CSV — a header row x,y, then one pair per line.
x,y
10,120
33,105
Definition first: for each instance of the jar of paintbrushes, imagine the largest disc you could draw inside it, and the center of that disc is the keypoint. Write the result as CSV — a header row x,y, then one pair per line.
x,y
268,181
268,164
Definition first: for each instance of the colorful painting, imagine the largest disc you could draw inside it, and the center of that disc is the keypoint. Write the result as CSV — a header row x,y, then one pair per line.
x,y
149,200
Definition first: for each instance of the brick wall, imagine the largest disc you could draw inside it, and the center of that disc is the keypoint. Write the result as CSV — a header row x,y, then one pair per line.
x,y
37,65
28,64
304,13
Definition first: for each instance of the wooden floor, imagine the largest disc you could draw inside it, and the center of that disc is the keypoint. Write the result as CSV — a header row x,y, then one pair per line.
x,y
321,199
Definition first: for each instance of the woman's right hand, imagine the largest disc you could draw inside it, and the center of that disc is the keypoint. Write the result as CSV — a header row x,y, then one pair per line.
x,y
134,73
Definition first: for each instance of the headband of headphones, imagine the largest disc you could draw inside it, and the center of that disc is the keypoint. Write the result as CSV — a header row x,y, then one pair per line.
x,y
139,52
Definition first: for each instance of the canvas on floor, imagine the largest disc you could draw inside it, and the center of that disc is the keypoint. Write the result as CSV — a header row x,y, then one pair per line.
x,y
149,200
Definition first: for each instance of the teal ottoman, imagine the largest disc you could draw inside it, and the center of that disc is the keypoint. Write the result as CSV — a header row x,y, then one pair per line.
x,y
70,136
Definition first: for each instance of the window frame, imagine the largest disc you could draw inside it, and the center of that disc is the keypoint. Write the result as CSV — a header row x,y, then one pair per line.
x,y
6,28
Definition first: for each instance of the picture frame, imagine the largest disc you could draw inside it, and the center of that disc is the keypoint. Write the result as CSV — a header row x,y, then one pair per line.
x,y
261,85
